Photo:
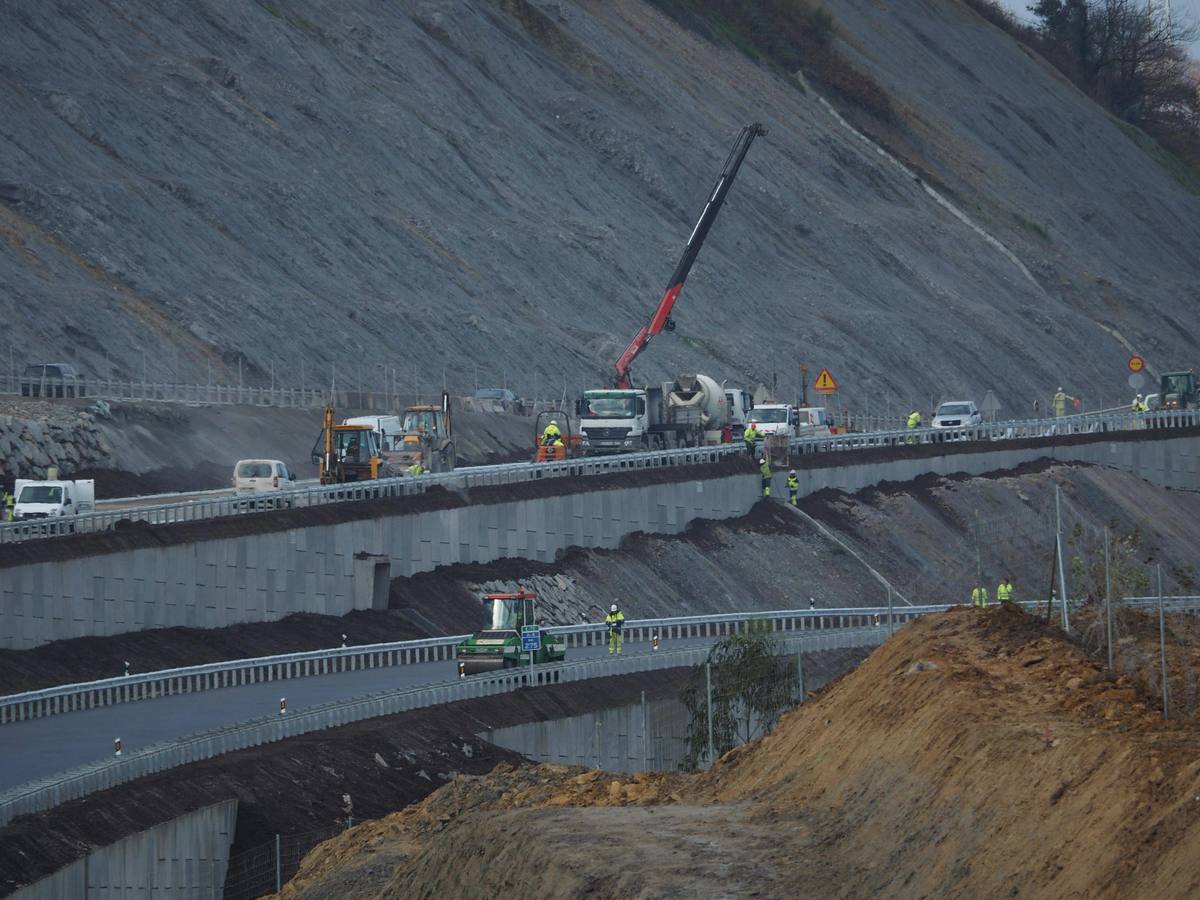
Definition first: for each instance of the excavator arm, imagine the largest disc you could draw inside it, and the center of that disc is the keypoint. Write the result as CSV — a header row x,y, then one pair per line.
x,y
716,198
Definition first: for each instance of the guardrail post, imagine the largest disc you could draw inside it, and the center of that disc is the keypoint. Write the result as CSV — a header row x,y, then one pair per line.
x,y
278,866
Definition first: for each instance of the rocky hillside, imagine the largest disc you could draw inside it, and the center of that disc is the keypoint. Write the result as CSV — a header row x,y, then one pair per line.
x,y
506,184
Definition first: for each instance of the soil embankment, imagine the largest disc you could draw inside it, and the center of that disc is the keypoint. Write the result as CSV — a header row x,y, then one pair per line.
x,y
974,755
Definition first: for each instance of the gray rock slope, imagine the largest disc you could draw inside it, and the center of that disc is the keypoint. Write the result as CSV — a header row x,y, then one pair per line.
x,y
503,186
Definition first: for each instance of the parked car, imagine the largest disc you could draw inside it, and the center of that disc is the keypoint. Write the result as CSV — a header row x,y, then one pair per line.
x,y
496,398
51,380
957,414
262,482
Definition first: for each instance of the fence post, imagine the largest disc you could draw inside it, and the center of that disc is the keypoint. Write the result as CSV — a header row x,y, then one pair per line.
x,y
800,670
1108,599
645,737
278,866
708,701
891,621
1162,645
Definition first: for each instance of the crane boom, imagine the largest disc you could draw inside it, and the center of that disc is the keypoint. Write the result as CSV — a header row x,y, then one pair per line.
x,y
716,198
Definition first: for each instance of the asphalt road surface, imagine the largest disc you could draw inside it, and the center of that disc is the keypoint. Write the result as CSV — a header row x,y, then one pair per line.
x,y
39,747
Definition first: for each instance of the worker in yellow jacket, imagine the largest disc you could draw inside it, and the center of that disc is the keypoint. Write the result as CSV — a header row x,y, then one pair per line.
x,y
979,597
1004,591
615,620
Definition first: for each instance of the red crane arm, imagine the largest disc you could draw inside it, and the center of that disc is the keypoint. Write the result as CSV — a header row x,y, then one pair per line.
x,y
716,199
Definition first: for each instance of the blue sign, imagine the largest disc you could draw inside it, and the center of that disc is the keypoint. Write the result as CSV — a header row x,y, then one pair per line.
x,y
531,638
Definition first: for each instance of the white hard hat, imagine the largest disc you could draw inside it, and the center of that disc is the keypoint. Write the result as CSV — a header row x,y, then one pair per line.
x,y
613,608
1139,396
1060,387
761,461
793,472
554,421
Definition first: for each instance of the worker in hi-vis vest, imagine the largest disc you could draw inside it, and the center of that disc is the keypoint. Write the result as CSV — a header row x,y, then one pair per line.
x,y
1004,590
615,620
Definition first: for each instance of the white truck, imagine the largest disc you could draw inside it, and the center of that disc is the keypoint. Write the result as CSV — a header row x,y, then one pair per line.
x,y
686,412
774,418
53,499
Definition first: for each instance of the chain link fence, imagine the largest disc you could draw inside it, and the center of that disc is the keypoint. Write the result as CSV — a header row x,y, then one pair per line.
x,y
265,869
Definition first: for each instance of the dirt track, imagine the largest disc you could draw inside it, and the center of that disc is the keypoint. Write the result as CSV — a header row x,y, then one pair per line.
x,y
975,755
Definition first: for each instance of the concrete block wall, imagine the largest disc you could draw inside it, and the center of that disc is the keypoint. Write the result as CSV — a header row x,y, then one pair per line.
x,y
185,857
332,569
1172,463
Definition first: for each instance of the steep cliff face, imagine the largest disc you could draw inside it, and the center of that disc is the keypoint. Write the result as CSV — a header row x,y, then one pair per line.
x,y
503,186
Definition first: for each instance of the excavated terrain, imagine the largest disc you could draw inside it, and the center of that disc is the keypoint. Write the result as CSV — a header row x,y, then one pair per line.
x,y
976,754
499,189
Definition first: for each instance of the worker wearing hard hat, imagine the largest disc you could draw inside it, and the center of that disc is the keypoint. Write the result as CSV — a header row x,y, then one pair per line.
x,y
10,501
764,469
750,436
415,469
615,620
551,434
1139,405
979,597
793,486
1060,401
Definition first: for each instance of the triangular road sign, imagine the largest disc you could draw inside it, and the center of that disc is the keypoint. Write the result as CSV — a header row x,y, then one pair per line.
x,y
825,383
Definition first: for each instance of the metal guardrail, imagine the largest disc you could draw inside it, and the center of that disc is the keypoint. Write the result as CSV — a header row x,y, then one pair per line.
x,y
462,479
232,673
79,782
281,667
319,495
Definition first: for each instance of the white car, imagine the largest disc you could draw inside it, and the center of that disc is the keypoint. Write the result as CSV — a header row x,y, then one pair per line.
x,y
957,414
261,482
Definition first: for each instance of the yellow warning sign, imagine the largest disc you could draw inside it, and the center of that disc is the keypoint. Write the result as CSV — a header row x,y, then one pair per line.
x,y
825,383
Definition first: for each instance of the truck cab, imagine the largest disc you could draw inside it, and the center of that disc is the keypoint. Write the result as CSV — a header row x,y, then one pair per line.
x,y
774,418
1177,390
614,421
53,499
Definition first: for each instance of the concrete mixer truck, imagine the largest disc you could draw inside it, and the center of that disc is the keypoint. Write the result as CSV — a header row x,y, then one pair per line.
x,y
690,411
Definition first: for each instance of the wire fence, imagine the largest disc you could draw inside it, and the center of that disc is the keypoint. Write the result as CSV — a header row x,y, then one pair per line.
x,y
273,395
266,868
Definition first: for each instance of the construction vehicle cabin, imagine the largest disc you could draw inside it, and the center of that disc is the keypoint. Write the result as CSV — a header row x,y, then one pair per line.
x,y
498,644
346,453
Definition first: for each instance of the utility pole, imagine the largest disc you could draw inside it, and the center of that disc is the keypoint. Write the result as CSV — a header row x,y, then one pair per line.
x,y
1062,575
1162,645
803,384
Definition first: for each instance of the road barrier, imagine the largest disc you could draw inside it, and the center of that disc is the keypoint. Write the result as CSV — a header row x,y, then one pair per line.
x,y
226,505
215,676
62,788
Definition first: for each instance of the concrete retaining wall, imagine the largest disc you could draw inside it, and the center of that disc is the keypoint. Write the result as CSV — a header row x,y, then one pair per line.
x,y
332,569
1170,463
185,857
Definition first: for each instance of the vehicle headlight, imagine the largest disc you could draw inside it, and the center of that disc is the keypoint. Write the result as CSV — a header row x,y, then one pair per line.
x,y
628,442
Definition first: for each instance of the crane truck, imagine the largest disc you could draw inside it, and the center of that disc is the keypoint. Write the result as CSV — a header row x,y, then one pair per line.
x,y
694,408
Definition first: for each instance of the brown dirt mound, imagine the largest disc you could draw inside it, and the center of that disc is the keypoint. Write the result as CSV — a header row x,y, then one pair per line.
x,y
973,755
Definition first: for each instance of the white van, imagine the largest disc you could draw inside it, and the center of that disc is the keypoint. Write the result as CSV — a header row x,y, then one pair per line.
x,y
53,499
253,478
